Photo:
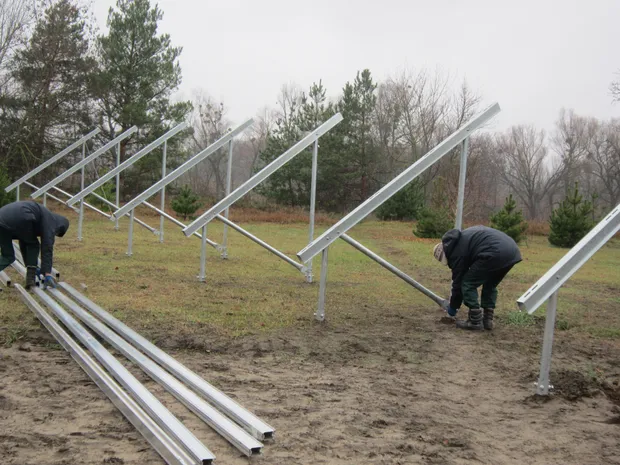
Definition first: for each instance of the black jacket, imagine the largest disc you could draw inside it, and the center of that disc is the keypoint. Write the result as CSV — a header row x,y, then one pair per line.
x,y
486,249
26,221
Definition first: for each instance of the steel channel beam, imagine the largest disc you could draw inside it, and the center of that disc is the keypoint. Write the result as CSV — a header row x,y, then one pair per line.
x,y
251,236
248,421
215,245
388,266
396,184
21,269
85,162
29,184
559,273
5,279
54,159
261,175
165,446
542,387
20,258
247,444
126,164
139,392
460,203
182,169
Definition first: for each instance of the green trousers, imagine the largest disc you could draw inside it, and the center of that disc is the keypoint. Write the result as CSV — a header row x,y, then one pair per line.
x,y
30,251
489,280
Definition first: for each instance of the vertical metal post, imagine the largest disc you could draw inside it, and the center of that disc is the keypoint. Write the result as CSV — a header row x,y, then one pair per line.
x,y
462,176
320,313
81,215
315,158
130,241
542,388
17,193
202,277
118,182
228,187
163,193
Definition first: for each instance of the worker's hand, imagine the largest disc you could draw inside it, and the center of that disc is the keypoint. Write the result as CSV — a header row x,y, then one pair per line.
x,y
49,281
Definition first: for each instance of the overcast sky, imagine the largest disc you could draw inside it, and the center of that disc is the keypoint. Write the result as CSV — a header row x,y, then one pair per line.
x,y
531,56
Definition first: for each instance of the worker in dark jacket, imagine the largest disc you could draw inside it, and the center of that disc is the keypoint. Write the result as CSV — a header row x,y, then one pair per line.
x,y
27,221
477,256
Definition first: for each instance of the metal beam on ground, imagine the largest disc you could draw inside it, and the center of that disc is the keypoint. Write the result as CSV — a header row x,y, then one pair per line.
x,y
261,175
5,279
166,447
396,184
164,418
52,160
259,429
126,164
245,443
86,161
193,161
559,273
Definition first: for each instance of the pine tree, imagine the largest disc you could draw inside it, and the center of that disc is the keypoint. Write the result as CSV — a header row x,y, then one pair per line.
x,y
139,73
571,221
186,203
433,224
406,204
510,220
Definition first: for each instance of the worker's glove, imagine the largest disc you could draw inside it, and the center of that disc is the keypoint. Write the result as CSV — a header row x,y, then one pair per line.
x,y
452,311
38,272
49,281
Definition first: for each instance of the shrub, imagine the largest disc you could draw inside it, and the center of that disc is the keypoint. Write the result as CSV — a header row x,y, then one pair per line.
x,y
406,204
108,192
571,220
433,224
510,220
186,203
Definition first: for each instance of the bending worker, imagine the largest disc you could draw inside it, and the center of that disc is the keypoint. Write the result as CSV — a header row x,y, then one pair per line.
x,y
27,221
477,256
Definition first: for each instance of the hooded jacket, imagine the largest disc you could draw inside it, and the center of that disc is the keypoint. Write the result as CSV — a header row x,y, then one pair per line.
x,y
27,221
482,248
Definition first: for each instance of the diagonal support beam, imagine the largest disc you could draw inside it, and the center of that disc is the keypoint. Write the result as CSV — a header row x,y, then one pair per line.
x,y
84,162
126,164
400,181
261,175
181,169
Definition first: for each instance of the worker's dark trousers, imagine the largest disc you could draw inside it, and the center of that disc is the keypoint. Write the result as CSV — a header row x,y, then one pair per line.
x,y
30,251
489,280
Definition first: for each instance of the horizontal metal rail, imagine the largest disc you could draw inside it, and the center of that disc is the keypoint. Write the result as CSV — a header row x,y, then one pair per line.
x,y
5,279
84,162
259,429
215,245
391,268
251,236
396,184
559,273
229,430
21,269
193,161
261,175
164,418
53,197
165,446
127,163
54,159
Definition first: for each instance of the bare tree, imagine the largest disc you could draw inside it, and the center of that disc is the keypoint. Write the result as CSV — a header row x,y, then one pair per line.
x,y
614,89
525,167
604,157
570,142
15,18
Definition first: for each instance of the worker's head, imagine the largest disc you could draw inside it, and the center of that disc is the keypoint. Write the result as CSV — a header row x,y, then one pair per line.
x,y
62,225
439,254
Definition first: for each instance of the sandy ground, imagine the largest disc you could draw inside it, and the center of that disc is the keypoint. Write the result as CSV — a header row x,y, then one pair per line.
x,y
403,390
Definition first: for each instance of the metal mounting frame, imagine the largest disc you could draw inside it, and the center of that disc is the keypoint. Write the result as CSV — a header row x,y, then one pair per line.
x,y
546,289
339,230
223,205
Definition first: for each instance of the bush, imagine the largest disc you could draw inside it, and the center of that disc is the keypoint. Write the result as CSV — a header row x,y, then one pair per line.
x,y
186,203
433,224
5,197
571,220
509,220
108,192
406,204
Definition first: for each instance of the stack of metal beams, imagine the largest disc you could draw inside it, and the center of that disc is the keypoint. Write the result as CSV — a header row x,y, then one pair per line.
x,y
174,442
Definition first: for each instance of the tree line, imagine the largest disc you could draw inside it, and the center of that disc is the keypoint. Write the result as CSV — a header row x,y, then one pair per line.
x,y
60,78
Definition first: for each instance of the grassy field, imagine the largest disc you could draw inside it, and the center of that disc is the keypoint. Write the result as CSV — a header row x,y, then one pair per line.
x,y
156,290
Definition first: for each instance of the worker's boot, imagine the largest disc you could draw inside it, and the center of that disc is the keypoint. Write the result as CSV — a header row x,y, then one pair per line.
x,y
474,320
31,272
487,319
